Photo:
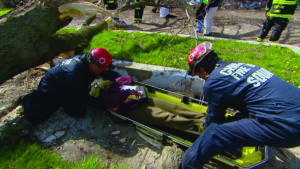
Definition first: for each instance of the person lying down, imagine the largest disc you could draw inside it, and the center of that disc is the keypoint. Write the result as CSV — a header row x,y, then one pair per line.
x,y
148,111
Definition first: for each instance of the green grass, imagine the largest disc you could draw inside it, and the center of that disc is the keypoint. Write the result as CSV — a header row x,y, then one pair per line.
x,y
173,51
16,153
27,155
4,11
157,49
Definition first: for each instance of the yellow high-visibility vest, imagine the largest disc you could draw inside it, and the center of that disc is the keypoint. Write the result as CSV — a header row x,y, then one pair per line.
x,y
283,8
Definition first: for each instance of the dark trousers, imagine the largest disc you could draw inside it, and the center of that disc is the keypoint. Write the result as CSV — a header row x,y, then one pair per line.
x,y
138,14
237,133
279,25
39,106
200,13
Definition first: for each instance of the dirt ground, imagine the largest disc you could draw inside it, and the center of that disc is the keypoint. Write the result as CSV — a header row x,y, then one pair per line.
x,y
116,142
231,24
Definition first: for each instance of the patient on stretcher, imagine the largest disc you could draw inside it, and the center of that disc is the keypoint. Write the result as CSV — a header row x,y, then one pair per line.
x,y
151,110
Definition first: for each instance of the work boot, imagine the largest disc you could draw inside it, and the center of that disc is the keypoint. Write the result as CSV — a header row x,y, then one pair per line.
x,y
199,26
21,97
259,39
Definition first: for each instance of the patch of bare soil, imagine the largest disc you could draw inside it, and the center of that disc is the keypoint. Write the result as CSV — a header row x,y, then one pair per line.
x,y
232,24
118,143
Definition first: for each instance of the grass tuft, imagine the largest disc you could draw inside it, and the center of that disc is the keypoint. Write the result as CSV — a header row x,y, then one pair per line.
x,y
4,11
16,152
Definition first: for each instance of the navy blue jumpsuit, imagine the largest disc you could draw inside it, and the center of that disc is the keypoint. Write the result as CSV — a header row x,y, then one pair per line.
x,y
269,112
66,85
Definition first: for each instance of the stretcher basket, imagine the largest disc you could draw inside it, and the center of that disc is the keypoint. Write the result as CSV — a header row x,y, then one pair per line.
x,y
244,158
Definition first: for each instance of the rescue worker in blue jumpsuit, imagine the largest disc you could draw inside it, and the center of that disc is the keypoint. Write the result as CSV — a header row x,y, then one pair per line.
x,y
268,107
67,85
278,13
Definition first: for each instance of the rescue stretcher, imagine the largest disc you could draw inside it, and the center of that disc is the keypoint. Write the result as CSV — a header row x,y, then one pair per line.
x,y
245,158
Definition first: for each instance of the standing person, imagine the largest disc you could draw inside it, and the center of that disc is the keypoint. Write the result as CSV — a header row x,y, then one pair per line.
x,y
200,13
278,13
112,5
67,85
138,12
210,9
268,107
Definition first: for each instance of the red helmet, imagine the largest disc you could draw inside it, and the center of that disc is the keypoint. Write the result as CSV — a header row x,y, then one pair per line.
x,y
101,57
198,54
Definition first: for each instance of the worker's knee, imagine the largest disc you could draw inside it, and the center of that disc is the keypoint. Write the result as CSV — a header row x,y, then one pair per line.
x,y
38,107
217,133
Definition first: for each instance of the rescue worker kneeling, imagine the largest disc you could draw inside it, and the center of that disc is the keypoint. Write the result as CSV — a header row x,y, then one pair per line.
x,y
67,85
269,108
